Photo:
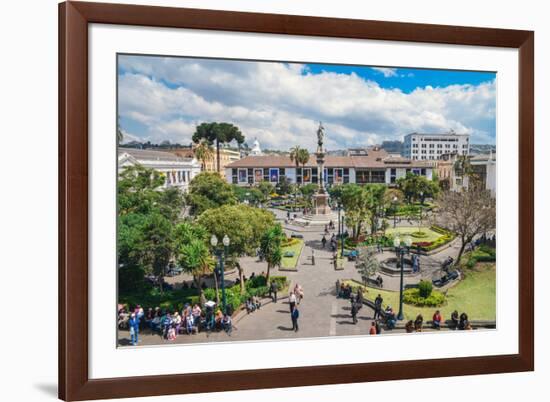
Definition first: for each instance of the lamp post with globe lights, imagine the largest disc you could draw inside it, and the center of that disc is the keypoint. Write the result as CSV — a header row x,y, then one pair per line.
x,y
222,254
401,250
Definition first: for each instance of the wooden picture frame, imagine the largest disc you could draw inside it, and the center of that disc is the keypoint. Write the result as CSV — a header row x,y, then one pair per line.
x,y
74,17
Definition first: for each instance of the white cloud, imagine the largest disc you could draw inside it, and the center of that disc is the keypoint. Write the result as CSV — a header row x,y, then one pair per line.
x,y
281,104
387,72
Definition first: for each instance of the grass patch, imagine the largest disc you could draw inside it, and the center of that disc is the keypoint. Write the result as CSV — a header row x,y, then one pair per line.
x,y
426,233
475,295
296,248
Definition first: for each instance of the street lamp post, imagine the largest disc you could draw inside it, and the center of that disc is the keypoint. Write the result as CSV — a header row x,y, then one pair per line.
x,y
394,210
221,257
341,229
401,251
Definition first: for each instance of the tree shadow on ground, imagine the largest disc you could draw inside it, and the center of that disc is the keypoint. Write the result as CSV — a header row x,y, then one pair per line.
x,y
318,245
345,322
340,315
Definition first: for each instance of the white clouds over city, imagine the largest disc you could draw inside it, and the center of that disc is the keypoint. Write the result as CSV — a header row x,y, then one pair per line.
x,y
281,104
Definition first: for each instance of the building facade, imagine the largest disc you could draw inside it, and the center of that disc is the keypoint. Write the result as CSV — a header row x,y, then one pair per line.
x,y
432,146
177,171
483,167
374,165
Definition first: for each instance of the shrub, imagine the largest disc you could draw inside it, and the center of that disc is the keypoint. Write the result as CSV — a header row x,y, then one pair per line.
x,y
412,296
280,280
290,241
419,234
425,288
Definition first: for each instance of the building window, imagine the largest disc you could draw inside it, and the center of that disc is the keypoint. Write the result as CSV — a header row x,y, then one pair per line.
x,y
243,176
258,175
393,175
338,176
307,175
274,175
364,176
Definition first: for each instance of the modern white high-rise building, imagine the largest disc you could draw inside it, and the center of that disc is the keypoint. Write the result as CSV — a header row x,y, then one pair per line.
x,y
418,146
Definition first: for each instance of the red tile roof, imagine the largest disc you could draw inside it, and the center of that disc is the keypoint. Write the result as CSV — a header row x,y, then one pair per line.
x,y
376,158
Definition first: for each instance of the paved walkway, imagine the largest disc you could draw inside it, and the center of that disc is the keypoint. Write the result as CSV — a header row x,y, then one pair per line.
x,y
321,313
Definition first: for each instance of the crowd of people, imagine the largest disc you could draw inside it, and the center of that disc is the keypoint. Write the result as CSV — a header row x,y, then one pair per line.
x,y
169,324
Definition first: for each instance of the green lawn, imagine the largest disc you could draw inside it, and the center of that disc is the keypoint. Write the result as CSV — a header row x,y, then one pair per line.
x,y
291,262
430,235
475,295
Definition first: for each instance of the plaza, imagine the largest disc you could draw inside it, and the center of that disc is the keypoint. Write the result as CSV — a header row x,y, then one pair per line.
x,y
322,313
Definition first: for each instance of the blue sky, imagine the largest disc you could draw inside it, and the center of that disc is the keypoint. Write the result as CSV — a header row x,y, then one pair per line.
x,y
408,79
280,104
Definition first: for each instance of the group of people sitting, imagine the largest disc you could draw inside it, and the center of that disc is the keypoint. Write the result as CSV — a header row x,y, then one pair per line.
x,y
458,322
169,324
343,290
252,304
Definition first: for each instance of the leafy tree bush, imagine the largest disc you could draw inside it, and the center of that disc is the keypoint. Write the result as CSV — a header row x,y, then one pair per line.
x,y
209,190
425,288
412,296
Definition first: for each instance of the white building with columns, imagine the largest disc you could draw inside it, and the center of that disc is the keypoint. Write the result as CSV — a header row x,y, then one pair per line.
x,y
374,165
177,171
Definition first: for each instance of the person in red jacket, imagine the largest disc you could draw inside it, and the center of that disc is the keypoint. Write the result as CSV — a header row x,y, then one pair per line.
x,y
372,330
436,319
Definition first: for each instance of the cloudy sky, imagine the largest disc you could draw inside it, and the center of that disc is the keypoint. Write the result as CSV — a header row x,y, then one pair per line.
x,y
280,104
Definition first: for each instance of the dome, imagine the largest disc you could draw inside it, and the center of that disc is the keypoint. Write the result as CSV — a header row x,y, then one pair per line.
x,y
256,150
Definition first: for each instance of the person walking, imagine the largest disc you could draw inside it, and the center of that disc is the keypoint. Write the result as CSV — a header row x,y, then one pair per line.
x,y
292,301
273,291
295,314
299,292
378,307
312,257
324,241
133,323
354,311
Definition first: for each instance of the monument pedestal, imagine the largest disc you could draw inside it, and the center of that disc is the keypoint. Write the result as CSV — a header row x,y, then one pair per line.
x,y
322,214
320,204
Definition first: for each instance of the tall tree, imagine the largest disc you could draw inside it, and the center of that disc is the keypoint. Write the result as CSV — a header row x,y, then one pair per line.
x,y
208,190
366,264
300,156
271,247
468,213
356,200
244,225
218,133
266,189
417,187
204,153
194,257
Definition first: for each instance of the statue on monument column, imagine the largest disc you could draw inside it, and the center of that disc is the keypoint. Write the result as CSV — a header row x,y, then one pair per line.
x,y
320,136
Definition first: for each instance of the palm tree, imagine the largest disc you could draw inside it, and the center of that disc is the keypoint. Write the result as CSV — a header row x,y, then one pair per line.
x,y
271,247
195,259
218,133
300,156
204,153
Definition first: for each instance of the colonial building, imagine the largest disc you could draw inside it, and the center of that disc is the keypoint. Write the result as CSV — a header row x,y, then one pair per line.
x,y
373,165
432,146
483,167
177,171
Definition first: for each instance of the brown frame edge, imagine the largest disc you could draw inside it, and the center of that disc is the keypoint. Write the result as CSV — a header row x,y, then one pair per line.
x,y
74,17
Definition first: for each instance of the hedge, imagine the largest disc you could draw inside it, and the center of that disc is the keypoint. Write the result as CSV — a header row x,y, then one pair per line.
x,y
412,296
